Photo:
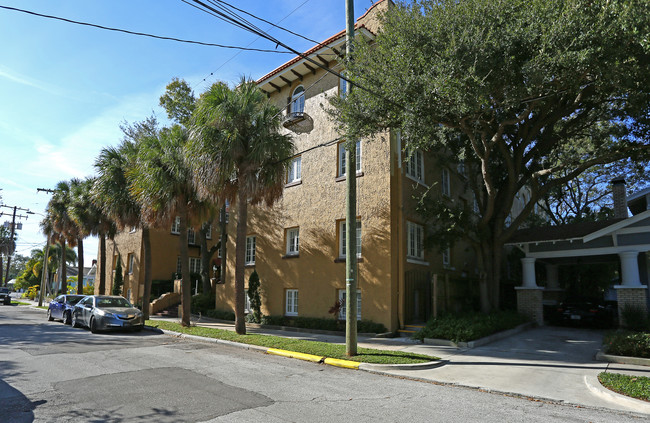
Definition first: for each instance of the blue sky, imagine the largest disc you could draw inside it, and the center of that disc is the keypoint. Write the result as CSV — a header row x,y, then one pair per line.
x,y
65,88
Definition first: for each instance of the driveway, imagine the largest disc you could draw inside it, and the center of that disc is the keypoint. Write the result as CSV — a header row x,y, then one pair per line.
x,y
546,362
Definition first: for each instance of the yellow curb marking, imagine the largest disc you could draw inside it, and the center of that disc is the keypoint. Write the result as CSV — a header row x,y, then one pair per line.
x,y
292,354
342,363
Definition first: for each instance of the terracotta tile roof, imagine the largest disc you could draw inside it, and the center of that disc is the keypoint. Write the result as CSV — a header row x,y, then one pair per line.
x,y
559,232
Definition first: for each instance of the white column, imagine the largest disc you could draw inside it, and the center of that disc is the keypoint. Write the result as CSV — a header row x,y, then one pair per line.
x,y
528,273
629,269
552,281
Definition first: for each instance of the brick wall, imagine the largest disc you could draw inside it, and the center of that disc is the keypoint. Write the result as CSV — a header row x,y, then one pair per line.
x,y
631,297
529,303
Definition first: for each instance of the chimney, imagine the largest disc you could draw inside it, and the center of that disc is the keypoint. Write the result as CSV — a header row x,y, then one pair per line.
x,y
620,197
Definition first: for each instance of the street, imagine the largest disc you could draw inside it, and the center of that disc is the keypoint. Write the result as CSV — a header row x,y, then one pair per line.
x,y
51,372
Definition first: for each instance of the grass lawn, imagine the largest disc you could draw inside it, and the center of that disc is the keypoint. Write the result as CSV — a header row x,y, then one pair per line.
x,y
325,349
632,386
19,302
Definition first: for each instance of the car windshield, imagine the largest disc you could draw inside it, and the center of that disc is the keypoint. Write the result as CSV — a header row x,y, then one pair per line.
x,y
4,290
113,302
74,300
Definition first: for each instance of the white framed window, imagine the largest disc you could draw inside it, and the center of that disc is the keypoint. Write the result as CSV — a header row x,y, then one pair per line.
x,y
415,166
446,256
298,100
343,85
342,158
176,226
208,231
342,238
445,183
414,240
342,311
294,173
250,250
131,260
293,241
291,303
191,236
195,265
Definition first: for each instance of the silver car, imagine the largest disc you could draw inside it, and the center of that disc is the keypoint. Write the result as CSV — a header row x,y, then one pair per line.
x,y
106,312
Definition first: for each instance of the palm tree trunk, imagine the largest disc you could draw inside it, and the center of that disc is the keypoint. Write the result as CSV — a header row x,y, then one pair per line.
x,y
5,282
62,286
80,275
146,241
102,264
186,283
240,259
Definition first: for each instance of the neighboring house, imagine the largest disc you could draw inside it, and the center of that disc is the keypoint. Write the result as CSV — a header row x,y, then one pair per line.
x,y
623,239
165,258
298,246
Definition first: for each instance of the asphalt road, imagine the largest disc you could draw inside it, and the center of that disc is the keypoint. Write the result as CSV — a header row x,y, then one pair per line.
x,y
50,372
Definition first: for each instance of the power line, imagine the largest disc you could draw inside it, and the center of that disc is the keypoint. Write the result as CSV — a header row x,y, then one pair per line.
x,y
142,33
248,45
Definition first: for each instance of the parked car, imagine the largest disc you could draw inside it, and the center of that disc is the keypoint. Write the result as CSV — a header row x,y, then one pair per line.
x,y
106,312
61,308
5,298
585,313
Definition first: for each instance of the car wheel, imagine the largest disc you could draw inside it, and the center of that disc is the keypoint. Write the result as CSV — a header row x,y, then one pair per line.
x,y
75,321
93,325
66,318
49,315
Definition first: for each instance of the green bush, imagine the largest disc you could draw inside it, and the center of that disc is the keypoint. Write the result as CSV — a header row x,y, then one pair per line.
x,y
632,386
161,286
202,303
322,323
635,319
220,314
631,344
468,327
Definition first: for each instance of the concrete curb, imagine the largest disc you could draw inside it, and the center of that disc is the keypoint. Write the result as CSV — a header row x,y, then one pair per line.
x,y
482,341
347,364
596,388
638,361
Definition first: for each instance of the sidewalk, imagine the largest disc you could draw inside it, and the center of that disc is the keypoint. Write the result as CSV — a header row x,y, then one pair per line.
x,y
544,363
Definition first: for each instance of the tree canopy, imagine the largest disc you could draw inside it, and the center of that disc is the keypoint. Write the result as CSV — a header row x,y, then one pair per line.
x,y
502,85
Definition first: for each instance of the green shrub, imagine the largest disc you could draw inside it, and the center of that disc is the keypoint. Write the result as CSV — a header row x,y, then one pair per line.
x,y
220,314
635,318
254,298
368,326
322,323
118,281
202,303
468,327
161,286
632,386
631,344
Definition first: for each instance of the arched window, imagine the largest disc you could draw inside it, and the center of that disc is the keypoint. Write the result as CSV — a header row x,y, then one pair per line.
x,y
298,100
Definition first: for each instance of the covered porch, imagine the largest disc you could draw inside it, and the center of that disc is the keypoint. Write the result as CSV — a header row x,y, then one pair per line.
x,y
625,240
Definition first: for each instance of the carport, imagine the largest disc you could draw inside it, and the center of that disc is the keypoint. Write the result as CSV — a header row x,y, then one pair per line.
x,y
624,239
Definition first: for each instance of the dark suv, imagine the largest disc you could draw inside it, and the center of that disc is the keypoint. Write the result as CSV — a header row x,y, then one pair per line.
x,y
4,296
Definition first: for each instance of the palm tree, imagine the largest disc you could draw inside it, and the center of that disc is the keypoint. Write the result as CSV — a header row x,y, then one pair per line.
x,y
161,183
112,190
237,153
84,215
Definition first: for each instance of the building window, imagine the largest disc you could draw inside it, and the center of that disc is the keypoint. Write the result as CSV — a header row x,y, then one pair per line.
x,y
176,226
131,261
208,231
250,250
446,256
415,166
247,302
298,100
461,168
191,236
293,241
179,268
415,240
342,238
342,311
342,158
446,188
291,302
343,85
195,265
294,173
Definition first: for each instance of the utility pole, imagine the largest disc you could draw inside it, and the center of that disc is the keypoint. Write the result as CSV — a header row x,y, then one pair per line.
x,y
44,274
350,212
11,237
